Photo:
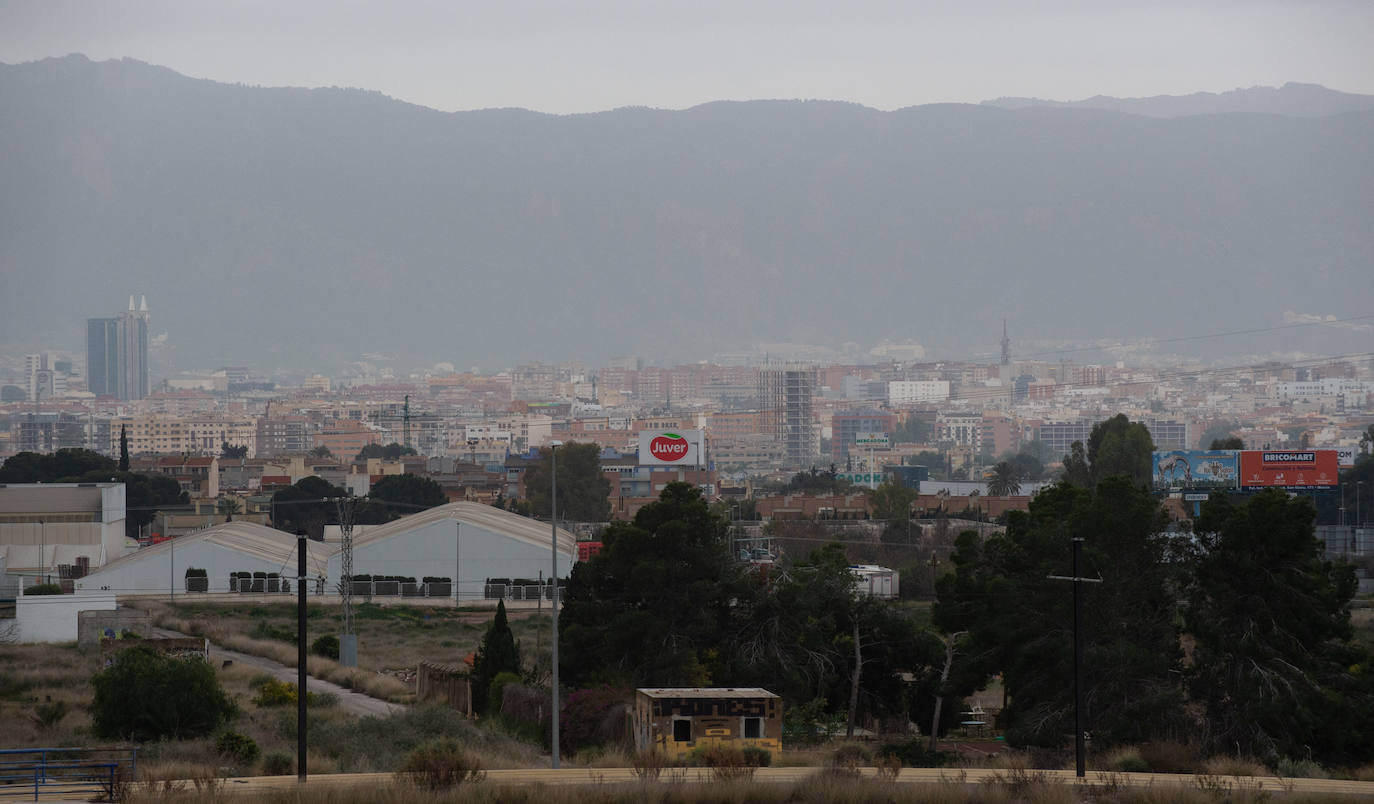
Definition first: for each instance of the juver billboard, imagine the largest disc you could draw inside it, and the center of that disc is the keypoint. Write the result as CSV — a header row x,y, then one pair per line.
x,y
1196,469
677,448
1289,469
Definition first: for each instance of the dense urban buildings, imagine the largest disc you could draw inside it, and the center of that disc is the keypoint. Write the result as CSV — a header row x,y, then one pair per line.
x,y
893,416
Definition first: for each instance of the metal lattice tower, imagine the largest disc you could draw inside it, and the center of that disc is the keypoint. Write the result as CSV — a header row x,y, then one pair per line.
x,y
345,506
1006,344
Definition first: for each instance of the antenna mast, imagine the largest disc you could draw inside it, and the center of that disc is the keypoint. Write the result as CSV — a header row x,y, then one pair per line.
x,y
1006,344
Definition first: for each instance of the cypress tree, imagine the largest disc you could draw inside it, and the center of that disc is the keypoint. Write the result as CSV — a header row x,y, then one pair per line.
x,y
123,448
497,654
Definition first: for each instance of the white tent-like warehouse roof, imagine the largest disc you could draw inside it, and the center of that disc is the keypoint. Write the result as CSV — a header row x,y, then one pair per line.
x,y
468,541
512,526
221,549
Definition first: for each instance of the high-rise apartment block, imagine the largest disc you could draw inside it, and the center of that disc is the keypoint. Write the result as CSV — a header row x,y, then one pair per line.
x,y
786,397
42,377
117,353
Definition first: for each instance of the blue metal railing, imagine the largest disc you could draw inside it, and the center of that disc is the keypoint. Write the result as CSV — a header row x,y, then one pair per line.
x,y
37,771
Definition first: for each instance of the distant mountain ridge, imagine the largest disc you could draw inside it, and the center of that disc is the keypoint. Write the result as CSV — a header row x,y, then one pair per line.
x,y
1291,99
280,227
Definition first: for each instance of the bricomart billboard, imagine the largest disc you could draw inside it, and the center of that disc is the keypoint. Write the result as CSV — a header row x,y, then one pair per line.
x,y
1196,469
1289,469
680,448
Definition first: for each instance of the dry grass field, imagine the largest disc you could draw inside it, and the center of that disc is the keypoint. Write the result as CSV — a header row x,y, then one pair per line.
x,y
392,640
821,786
45,691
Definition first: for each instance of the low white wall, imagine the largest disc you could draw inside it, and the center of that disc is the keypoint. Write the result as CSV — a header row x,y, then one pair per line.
x,y
53,618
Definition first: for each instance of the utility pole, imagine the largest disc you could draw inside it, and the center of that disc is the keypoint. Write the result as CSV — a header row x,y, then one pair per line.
x,y
1080,749
553,579
300,656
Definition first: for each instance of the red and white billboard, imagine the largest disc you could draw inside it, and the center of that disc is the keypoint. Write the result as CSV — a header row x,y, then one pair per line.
x,y
676,448
1289,469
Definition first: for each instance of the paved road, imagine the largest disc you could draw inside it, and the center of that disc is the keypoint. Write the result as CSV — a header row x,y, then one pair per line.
x,y
354,702
585,776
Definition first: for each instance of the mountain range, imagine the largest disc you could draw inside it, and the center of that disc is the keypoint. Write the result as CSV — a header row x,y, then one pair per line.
x,y
301,228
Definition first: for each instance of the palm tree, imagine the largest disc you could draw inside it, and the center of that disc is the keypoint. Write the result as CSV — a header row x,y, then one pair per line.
x,y
228,506
1005,480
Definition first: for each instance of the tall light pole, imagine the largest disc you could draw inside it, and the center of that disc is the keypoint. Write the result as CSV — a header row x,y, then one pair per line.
x,y
301,694
553,579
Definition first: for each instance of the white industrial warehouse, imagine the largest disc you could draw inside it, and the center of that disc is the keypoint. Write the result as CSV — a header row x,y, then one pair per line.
x,y
234,547
466,540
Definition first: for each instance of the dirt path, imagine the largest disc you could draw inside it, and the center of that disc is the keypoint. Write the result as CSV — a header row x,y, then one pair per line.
x,y
354,702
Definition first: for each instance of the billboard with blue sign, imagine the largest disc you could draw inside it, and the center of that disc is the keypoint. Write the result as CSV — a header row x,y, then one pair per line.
x,y
1196,469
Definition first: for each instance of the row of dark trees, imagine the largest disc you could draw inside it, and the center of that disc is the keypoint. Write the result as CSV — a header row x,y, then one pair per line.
x,y
310,503
1234,635
665,604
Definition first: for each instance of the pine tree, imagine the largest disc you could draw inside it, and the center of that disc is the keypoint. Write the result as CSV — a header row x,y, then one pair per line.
x,y
1274,663
497,654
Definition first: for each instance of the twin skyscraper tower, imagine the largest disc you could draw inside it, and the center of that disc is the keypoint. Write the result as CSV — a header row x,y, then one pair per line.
x,y
117,353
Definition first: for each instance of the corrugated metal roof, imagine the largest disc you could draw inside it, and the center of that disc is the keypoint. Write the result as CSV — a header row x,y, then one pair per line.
x,y
268,544
513,526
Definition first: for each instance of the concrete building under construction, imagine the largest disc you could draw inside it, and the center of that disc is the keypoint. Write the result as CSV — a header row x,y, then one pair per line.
x,y
789,417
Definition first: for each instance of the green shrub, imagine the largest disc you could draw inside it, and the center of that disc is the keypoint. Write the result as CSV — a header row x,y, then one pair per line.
x,y
728,761
263,630
849,757
145,695
440,764
1127,760
915,754
808,723
326,646
272,692
275,693
43,589
1301,769
757,756
278,763
49,713
237,747
497,689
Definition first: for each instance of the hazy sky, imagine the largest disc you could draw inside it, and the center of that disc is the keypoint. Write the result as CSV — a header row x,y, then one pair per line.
x,y
599,54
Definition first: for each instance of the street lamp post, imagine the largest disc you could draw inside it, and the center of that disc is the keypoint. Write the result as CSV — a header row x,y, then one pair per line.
x,y
553,579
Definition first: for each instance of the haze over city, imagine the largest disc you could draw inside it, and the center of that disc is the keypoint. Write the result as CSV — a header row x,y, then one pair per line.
x,y
783,356
740,224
